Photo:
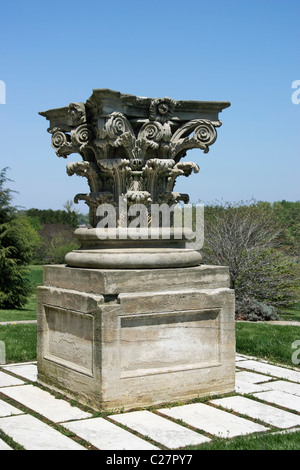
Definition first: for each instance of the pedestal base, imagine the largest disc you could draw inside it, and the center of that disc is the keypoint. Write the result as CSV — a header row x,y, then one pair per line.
x,y
116,339
120,249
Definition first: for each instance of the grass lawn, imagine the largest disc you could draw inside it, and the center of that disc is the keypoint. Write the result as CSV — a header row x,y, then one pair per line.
x,y
20,342
289,441
267,341
28,312
264,340
291,314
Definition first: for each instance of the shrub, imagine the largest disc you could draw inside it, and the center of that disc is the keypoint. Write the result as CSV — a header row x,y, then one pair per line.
x,y
253,310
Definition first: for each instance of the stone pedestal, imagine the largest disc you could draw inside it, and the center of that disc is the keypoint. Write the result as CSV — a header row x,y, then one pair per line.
x,y
131,338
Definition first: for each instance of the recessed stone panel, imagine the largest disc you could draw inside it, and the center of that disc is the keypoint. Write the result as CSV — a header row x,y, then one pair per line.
x,y
153,344
70,339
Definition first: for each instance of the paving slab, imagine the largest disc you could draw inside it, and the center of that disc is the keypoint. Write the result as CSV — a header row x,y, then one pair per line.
x,y
270,369
287,431
243,387
7,410
252,377
160,429
33,434
44,403
240,358
107,436
283,386
212,420
26,370
7,380
244,357
19,322
256,410
4,446
286,400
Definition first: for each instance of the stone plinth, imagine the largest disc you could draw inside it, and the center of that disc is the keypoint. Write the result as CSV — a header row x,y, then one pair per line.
x,y
133,338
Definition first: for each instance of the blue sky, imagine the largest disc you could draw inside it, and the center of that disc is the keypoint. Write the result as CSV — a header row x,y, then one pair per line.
x,y
242,51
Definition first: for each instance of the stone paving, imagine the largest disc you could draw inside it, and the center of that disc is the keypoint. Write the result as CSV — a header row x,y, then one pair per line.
x,y
36,419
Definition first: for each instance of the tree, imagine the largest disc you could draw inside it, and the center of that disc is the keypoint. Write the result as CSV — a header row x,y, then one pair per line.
x,y
232,232
246,237
269,276
49,216
17,238
69,206
6,210
288,214
56,232
56,241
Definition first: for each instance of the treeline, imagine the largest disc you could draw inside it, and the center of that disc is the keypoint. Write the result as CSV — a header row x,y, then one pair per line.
x,y
49,216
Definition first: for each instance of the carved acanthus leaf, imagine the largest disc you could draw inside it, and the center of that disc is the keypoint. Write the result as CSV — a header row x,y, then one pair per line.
x,y
181,168
154,176
138,197
173,197
185,198
86,169
203,135
128,142
119,171
93,200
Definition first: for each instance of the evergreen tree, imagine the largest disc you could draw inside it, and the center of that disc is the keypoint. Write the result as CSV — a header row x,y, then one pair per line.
x,y
16,244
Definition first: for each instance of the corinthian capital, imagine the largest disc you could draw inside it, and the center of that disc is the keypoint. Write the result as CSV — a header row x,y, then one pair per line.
x,y
132,145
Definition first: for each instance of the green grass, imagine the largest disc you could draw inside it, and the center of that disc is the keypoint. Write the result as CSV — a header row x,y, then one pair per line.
x,y
28,312
289,441
267,341
20,342
291,314
36,275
